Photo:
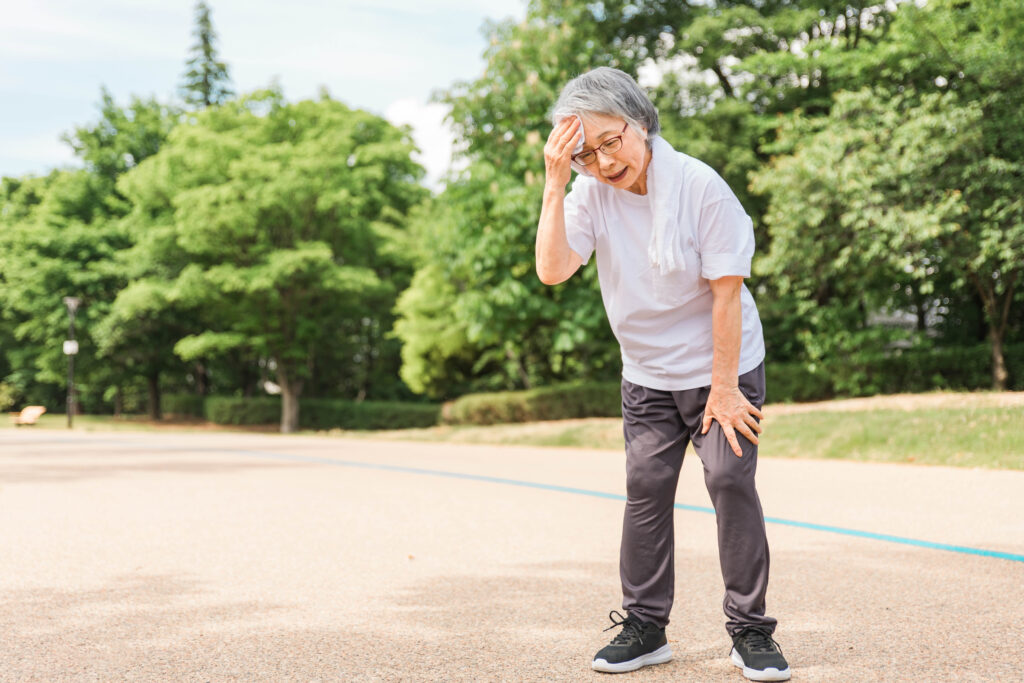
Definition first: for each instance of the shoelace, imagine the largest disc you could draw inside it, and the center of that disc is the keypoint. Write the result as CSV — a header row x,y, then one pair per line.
x,y
759,639
631,630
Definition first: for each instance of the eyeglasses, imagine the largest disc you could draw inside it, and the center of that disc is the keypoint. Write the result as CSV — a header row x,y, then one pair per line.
x,y
608,147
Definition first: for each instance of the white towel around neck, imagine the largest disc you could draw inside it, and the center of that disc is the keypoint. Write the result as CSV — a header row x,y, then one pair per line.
x,y
665,185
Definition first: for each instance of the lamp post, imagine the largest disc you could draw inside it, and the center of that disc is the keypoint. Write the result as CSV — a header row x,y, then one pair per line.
x,y
70,349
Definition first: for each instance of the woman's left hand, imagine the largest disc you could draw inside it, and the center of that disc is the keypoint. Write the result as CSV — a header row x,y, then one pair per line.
x,y
735,414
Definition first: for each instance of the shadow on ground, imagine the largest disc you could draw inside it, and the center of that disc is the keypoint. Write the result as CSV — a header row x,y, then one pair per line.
x,y
863,613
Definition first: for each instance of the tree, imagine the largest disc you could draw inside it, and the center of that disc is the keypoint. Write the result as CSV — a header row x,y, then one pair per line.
x,y
288,218
139,328
206,83
48,252
905,195
832,268
59,236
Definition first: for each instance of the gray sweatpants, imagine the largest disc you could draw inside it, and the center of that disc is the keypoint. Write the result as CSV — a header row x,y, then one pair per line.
x,y
658,425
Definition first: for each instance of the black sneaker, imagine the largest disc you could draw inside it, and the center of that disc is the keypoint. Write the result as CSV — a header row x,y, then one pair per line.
x,y
638,644
756,652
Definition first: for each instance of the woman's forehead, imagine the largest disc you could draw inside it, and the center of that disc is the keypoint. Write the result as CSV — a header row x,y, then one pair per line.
x,y
597,126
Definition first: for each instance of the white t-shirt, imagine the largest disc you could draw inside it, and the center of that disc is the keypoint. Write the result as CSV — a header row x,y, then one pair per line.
x,y
663,323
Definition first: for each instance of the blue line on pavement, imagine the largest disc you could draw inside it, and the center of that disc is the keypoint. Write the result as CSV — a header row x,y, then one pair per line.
x,y
565,489
614,496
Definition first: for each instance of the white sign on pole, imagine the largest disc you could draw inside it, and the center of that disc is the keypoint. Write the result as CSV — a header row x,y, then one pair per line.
x,y
70,347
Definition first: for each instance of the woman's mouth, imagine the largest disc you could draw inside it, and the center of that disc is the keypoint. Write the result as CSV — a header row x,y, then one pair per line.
x,y
618,176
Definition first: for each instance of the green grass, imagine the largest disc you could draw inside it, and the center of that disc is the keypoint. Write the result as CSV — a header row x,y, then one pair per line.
x,y
982,436
990,437
579,433
966,432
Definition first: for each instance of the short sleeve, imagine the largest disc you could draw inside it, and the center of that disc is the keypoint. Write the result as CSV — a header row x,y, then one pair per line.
x,y
726,234
579,222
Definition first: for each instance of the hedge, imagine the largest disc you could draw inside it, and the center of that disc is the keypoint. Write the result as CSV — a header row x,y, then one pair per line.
x,y
789,382
559,402
228,410
185,405
327,414
902,371
910,370
317,413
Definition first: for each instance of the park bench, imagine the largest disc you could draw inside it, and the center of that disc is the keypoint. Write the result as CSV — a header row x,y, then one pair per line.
x,y
28,415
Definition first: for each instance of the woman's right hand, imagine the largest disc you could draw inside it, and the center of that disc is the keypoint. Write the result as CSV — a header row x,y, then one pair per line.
x,y
558,150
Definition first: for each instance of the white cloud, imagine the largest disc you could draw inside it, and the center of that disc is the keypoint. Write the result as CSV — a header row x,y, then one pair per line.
x,y
431,134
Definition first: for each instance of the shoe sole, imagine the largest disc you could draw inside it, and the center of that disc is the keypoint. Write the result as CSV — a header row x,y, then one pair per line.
x,y
769,674
659,656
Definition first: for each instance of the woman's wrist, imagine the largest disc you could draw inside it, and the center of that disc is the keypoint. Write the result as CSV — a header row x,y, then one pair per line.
x,y
553,188
724,387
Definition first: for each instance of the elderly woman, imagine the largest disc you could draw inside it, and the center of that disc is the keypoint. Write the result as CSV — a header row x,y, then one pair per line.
x,y
673,245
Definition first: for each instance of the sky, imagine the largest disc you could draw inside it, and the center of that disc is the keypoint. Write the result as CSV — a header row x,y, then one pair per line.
x,y
385,56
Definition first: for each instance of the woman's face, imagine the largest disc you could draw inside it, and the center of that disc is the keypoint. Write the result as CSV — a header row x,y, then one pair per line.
x,y
626,169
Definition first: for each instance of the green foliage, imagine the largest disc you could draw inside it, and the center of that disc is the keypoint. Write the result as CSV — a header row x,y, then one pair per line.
x,y
904,191
226,410
324,413
476,316
878,148
59,236
595,399
926,368
860,214
279,226
900,371
327,414
42,260
206,82
139,327
8,396
184,405
796,382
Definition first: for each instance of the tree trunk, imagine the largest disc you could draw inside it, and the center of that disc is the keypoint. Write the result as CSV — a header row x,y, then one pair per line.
x,y
524,377
118,402
999,374
251,384
723,80
290,392
153,380
996,321
202,379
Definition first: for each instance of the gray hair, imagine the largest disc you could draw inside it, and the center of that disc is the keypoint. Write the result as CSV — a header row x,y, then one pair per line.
x,y
608,91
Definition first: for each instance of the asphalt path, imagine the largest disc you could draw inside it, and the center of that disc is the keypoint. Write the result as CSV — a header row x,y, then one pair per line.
x,y
234,557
